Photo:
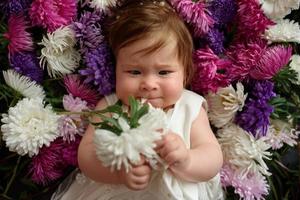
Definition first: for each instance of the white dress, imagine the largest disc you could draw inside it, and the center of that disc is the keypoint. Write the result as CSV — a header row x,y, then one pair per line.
x,y
163,185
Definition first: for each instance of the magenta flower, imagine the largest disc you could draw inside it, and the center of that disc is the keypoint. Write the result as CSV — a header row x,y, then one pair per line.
x,y
69,153
271,62
78,88
244,57
52,14
48,165
195,14
251,21
210,71
19,39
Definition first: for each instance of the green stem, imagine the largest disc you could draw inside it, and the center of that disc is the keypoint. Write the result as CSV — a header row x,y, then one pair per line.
x,y
80,113
12,178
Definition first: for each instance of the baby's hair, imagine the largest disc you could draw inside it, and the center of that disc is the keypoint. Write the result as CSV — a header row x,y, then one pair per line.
x,y
135,20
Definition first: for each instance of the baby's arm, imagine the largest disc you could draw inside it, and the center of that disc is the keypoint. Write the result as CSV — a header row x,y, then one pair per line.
x,y
92,167
200,163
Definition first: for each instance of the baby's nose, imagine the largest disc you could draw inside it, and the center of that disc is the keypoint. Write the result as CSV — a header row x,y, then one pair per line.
x,y
149,83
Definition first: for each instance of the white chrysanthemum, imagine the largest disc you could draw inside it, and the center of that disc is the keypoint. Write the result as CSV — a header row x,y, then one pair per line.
x,y
115,151
59,54
243,151
277,9
284,31
28,126
23,84
280,132
224,104
295,65
103,4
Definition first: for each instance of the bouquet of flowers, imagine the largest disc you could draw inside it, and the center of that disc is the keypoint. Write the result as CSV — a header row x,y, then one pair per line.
x,y
56,64
122,139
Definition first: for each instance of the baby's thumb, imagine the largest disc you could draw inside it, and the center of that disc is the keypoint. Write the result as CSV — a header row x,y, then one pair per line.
x,y
141,161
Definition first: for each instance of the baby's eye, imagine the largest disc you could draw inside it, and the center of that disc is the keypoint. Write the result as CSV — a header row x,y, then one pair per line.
x,y
134,72
164,72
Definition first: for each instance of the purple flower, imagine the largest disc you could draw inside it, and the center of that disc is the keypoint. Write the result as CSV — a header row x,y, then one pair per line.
x,y
222,11
215,40
255,116
14,6
27,63
100,69
88,30
262,90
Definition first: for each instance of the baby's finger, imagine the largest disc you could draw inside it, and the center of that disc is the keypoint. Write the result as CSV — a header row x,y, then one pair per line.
x,y
159,144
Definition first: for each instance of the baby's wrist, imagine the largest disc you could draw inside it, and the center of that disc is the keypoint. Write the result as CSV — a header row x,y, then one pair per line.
x,y
182,165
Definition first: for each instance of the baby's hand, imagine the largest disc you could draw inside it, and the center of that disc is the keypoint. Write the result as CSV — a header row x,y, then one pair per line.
x,y
138,177
172,149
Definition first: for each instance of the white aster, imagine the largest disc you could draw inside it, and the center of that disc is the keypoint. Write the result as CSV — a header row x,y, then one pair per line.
x,y
243,151
277,9
280,132
103,4
28,126
284,31
125,149
23,84
224,104
59,54
295,65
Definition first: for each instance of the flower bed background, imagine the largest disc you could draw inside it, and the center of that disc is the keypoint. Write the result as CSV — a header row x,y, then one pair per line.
x,y
54,58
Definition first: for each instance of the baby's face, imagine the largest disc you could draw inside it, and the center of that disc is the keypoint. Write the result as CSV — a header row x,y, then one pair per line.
x,y
157,77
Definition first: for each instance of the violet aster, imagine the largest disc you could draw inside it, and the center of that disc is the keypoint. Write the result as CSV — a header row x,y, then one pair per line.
x,y
222,11
255,117
10,7
100,69
215,39
88,30
27,64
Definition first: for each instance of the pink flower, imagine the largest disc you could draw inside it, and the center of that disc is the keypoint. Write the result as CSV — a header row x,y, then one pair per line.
x,y
210,71
194,13
80,89
245,57
250,186
19,39
74,104
252,22
271,62
52,14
